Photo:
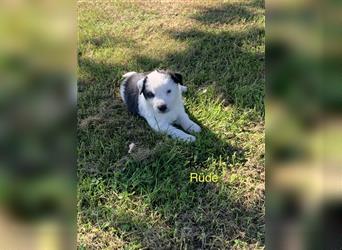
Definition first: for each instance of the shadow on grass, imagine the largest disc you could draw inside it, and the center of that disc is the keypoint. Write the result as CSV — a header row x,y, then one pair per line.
x,y
197,215
229,13
200,216
109,41
220,60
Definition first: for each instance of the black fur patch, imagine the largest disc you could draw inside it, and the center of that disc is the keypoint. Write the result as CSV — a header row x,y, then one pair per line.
x,y
145,91
176,77
132,92
143,87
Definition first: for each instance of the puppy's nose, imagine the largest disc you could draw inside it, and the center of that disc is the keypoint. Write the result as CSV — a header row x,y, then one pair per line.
x,y
162,107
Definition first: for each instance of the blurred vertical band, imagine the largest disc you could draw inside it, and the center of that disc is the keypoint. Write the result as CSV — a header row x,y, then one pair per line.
x,y
37,124
304,124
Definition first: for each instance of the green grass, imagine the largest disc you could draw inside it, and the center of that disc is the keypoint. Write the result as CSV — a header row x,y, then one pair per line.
x,y
144,200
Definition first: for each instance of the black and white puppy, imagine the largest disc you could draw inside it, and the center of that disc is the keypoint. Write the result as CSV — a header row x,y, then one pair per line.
x,y
157,97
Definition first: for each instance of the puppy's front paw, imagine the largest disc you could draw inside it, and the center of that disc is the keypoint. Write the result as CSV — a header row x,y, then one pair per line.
x,y
194,128
189,138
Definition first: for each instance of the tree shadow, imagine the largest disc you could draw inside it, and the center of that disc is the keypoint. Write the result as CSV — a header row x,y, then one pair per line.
x,y
110,41
229,13
202,216
230,71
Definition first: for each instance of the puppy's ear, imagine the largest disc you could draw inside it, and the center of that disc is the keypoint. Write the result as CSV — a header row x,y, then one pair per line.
x,y
176,77
182,88
141,84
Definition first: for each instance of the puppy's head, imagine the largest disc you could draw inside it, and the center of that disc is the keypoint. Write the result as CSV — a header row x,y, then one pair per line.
x,y
161,89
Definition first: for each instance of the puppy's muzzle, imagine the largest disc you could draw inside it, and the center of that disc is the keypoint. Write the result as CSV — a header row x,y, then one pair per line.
x,y
162,108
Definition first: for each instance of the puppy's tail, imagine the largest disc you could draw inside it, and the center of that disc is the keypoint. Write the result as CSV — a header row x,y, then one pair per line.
x,y
128,74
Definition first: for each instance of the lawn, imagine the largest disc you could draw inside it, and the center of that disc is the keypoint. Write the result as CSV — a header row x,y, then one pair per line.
x,y
144,199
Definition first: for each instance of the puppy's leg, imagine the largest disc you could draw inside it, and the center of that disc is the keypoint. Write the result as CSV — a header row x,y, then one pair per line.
x,y
172,131
188,125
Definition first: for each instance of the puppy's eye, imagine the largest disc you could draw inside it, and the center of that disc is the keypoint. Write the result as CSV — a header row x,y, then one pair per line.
x,y
169,91
149,95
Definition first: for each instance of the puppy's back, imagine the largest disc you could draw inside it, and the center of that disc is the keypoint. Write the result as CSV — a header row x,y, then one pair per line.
x,y
129,91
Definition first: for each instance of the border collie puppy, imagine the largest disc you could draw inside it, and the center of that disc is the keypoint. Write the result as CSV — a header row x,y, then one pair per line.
x,y
157,97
